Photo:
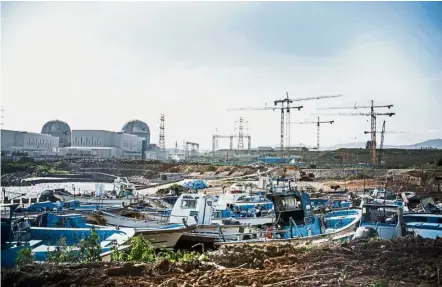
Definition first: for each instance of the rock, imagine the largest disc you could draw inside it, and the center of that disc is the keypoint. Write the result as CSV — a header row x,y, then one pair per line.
x,y
164,265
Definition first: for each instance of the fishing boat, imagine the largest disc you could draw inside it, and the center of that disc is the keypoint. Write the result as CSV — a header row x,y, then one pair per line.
x,y
427,225
381,220
41,234
198,209
96,199
327,204
296,221
160,234
244,208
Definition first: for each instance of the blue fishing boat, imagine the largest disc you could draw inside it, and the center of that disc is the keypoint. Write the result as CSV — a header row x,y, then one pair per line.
x,y
392,221
381,220
297,223
427,225
41,234
295,215
330,204
243,208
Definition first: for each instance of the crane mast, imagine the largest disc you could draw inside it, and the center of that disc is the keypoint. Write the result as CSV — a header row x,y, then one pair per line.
x,y
318,125
285,109
381,149
372,115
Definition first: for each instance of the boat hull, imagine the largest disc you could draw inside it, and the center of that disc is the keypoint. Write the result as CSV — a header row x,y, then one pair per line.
x,y
253,221
95,200
162,238
342,234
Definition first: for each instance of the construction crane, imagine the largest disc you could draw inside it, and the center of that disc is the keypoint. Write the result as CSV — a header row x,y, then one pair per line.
x,y
285,107
381,148
318,124
372,115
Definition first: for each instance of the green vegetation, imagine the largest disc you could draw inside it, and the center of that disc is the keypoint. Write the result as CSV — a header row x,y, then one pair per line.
x,y
175,187
143,251
24,257
381,283
30,168
63,253
90,248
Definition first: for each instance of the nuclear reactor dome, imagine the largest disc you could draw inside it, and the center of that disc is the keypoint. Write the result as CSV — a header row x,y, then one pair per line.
x,y
137,128
58,129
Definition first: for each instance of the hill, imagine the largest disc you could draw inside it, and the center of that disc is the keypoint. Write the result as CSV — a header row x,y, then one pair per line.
x,y
433,143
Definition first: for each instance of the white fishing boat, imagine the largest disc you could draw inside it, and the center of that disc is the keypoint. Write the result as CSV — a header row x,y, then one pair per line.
x,y
96,199
160,234
198,209
243,207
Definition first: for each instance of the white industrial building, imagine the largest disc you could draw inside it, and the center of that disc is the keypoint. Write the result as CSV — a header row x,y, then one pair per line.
x,y
27,142
104,144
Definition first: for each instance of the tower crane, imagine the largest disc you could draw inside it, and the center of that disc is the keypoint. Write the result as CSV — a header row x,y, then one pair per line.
x,y
285,107
318,124
372,115
381,148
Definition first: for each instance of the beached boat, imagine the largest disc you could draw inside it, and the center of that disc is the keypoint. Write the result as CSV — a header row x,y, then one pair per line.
x,y
161,234
198,209
41,234
255,210
393,221
296,221
102,199
427,225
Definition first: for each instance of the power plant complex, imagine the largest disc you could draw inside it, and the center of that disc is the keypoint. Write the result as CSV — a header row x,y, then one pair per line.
x,y
57,138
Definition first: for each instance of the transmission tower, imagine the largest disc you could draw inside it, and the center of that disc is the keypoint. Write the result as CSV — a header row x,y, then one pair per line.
x,y
162,136
241,134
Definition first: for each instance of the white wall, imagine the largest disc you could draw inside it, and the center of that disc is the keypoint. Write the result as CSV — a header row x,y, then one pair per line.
x,y
24,141
100,138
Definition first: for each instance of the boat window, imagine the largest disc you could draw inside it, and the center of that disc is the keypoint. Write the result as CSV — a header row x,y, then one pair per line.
x,y
188,203
384,215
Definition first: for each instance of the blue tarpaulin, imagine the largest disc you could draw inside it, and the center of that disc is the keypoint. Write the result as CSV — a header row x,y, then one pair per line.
x,y
195,184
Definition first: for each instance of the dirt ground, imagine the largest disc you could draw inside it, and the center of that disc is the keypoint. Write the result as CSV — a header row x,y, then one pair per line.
x,y
405,262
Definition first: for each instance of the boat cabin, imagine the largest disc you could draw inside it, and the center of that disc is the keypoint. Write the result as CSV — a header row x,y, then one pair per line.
x,y
385,220
295,205
193,208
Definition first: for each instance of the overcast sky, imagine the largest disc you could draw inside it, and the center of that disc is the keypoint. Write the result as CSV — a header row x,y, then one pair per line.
x,y
98,65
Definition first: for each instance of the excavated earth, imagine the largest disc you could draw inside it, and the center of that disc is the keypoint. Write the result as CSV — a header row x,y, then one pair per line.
x,y
405,262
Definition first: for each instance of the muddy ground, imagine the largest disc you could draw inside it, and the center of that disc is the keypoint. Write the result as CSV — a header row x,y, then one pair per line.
x,y
405,262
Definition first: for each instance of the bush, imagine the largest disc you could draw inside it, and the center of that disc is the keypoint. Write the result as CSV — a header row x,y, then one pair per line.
x,y
90,248
143,251
24,257
439,162
63,253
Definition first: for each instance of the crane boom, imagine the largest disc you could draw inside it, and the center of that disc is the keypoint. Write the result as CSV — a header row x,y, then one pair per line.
x,y
356,114
265,108
285,106
372,115
355,107
318,124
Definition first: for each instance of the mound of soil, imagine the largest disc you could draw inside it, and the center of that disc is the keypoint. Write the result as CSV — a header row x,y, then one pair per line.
x,y
408,261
